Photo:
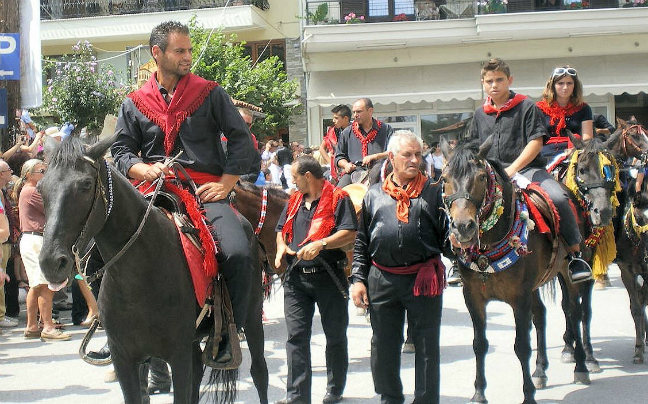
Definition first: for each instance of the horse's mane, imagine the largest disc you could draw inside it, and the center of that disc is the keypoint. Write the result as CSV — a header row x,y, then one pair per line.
x,y
464,154
591,149
273,192
68,153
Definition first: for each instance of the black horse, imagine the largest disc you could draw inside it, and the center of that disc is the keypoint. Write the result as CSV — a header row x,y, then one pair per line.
x,y
474,191
633,261
146,301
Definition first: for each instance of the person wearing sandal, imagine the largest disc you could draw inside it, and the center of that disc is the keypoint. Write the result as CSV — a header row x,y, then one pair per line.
x,y
32,223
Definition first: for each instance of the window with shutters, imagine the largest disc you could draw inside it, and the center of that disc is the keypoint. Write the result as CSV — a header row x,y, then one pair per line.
x,y
387,10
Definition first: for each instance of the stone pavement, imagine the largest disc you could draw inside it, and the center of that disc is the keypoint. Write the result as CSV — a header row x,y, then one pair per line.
x,y
37,372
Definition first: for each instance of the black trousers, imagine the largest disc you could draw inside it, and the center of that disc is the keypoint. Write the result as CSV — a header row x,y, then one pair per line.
x,y
390,296
233,234
301,293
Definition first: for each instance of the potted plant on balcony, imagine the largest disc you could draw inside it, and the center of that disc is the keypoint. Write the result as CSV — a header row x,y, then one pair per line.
x,y
320,16
401,17
635,3
352,18
576,4
493,6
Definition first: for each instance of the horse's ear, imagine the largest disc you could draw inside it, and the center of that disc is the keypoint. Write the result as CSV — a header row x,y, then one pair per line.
x,y
578,143
98,150
621,123
485,148
611,141
445,148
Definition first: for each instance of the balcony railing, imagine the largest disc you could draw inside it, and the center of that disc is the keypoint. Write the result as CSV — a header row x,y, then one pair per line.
x,y
360,11
63,9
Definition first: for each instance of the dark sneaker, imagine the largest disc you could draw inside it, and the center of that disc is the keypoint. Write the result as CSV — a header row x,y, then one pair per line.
x,y
579,269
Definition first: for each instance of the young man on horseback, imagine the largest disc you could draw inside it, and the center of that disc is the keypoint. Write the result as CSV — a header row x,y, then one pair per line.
x,y
364,140
397,268
518,130
318,220
179,111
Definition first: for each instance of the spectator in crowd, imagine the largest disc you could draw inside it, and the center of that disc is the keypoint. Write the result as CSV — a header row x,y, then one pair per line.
x,y
284,160
26,124
435,162
32,223
519,132
5,252
318,220
365,140
397,268
269,152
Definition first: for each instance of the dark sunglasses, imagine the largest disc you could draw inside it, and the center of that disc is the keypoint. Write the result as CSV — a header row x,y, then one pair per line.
x,y
559,71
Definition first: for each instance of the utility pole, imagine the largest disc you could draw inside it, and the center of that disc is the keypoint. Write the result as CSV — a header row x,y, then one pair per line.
x,y
10,23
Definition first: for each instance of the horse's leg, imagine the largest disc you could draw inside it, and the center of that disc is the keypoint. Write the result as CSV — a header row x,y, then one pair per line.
x,y
539,312
197,371
581,374
255,334
522,314
585,290
182,367
477,309
129,378
568,336
637,311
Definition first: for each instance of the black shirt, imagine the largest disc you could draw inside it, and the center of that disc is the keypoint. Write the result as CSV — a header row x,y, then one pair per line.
x,y
349,147
345,219
141,140
512,130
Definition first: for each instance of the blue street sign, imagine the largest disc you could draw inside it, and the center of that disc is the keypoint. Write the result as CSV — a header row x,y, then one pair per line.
x,y
10,56
3,108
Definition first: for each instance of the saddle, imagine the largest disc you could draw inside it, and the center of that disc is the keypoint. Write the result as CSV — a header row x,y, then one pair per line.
x,y
222,350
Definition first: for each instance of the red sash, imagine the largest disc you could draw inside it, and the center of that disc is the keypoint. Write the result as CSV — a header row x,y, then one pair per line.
x,y
355,128
489,108
189,95
323,219
557,115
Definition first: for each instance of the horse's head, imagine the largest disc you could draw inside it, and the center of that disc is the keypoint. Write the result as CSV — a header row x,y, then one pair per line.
x,y
76,204
632,140
468,182
593,176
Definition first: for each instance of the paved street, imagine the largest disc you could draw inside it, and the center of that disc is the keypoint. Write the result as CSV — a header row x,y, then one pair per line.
x,y
34,371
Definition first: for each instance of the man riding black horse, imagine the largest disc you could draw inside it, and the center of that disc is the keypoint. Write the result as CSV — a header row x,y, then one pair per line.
x,y
179,112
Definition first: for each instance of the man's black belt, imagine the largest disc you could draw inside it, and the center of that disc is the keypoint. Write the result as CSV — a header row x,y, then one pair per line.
x,y
34,233
310,270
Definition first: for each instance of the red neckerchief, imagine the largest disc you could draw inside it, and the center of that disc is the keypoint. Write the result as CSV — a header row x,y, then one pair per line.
x,y
369,138
489,108
403,195
557,115
189,95
323,219
331,139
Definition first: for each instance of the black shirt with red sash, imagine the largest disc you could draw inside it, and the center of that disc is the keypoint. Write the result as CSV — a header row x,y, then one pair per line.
x,y
199,112
512,127
354,143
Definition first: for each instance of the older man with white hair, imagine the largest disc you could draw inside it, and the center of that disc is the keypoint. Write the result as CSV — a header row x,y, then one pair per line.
x,y
397,268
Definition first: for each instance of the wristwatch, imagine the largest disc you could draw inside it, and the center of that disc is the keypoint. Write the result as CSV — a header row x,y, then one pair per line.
x,y
324,243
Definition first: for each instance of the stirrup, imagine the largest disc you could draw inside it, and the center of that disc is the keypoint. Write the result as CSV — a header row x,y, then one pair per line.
x,y
585,274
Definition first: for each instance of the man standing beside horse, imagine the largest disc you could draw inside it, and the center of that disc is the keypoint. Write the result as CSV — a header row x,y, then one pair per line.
x,y
318,220
364,140
397,268
179,111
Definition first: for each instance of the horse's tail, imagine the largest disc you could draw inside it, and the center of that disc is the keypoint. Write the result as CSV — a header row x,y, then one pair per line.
x,y
221,386
548,291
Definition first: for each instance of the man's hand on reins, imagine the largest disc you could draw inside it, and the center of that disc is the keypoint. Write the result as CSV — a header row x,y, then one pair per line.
x,y
215,191
146,172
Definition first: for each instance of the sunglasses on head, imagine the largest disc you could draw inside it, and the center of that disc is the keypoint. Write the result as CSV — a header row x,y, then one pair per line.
x,y
560,71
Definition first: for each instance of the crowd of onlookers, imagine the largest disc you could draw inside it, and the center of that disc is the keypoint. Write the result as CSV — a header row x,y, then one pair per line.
x,y
22,221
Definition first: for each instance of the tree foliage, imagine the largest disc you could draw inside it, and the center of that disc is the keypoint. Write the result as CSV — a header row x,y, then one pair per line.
x,y
265,84
80,91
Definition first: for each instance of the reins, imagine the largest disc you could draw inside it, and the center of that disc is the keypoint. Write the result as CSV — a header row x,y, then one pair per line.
x,y
643,156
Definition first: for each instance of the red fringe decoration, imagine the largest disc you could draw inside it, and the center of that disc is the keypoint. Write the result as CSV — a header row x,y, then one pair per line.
x,y
355,127
196,214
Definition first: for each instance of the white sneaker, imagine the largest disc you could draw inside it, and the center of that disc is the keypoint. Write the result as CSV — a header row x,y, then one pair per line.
x,y
8,322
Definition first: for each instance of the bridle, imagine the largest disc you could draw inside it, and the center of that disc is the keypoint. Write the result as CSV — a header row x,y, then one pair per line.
x,y
486,203
627,141
609,177
100,194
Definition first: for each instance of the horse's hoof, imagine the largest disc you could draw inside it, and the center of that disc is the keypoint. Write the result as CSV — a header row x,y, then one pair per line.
x,y
539,382
593,367
479,398
155,388
581,378
567,357
638,360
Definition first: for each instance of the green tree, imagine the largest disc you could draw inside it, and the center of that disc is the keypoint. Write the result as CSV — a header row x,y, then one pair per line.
x,y
80,91
265,84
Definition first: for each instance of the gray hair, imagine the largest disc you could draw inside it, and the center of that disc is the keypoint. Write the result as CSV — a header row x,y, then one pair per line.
x,y
401,136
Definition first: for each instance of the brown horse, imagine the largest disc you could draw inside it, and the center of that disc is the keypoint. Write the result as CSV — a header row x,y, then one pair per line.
x,y
474,191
